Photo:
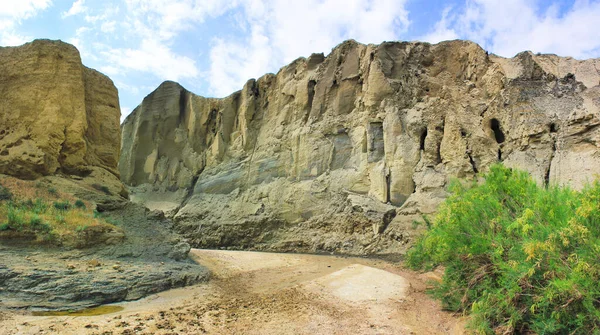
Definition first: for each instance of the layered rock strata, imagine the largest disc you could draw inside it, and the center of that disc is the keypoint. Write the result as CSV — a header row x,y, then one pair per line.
x,y
57,116
342,153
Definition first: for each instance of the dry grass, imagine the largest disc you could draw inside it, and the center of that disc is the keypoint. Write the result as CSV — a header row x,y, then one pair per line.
x,y
40,212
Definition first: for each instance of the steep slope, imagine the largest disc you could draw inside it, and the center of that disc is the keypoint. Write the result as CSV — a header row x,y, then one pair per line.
x,y
341,153
56,115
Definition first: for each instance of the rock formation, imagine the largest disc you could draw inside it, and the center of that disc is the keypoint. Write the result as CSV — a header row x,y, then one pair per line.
x,y
342,153
56,115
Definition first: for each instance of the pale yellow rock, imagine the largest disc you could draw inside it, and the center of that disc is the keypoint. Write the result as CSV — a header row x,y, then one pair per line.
x,y
56,115
295,160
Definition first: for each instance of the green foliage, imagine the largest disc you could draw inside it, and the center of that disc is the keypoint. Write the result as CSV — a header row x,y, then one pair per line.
x,y
16,219
518,257
62,205
38,206
52,191
37,224
80,204
5,194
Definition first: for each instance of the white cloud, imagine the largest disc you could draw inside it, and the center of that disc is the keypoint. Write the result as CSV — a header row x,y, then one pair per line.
x,y
11,38
12,12
507,27
108,27
281,31
125,111
22,9
441,32
77,8
164,19
152,57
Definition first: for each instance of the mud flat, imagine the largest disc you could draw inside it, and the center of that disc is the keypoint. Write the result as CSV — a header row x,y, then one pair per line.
x,y
267,293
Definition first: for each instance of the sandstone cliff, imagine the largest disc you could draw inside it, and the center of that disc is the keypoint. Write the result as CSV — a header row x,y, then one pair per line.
x,y
57,116
341,153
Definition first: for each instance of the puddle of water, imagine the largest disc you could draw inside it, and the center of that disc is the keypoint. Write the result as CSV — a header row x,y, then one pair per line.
x,y
94,311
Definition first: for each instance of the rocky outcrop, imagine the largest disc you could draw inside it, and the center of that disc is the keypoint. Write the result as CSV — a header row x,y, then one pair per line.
x,y
150,260
56,115
342,153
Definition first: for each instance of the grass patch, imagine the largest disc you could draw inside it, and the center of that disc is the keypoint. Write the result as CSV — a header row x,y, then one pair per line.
x,y
46,215
519,258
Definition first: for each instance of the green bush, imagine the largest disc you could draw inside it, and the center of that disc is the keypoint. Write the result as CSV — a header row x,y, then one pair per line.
x,y
52,191
62,205
80,204
16,219
519,258
37,224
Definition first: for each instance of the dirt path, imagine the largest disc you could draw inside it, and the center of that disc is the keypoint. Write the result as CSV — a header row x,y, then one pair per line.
x,y
262,293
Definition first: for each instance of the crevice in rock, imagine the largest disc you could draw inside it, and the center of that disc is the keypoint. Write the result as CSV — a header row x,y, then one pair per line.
x,y
375,143
182,106
387,219
549,167
472,161
422,140
553,127
498,134
438,148
499,155
311,94
388,184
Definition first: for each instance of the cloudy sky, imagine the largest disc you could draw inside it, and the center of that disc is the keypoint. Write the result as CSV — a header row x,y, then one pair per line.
x,y
213,46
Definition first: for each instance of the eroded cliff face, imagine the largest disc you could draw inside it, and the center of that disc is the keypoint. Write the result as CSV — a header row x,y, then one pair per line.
x,y
342,153
57,116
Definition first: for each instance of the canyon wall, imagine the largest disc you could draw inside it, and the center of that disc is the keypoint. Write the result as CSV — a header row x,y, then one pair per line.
x,y
57,116
343,153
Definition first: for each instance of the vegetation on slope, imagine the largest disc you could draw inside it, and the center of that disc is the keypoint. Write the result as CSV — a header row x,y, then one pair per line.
x,y
519,258
38,212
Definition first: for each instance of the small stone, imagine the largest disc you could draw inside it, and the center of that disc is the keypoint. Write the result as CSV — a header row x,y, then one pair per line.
x,y
70,266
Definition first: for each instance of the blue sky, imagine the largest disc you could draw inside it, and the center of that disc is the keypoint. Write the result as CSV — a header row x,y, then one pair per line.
x,y
212,47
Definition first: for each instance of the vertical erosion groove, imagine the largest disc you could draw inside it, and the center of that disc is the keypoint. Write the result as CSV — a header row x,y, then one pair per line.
x,y
549,167
311,93
388,184
472,161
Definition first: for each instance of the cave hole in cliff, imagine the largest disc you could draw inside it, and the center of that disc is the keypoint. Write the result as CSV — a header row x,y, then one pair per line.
x,y
335,82
372,56
553,127
500,155
422,140
498,134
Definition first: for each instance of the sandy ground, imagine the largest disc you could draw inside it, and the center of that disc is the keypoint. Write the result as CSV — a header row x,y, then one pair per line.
x,y
265,293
